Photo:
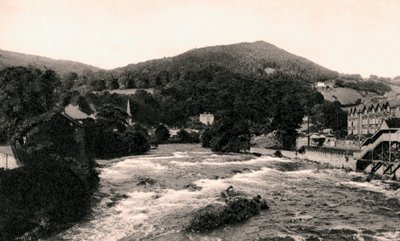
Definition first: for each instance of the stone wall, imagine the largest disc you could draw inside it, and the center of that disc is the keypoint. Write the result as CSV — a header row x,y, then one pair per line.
x,y
338,160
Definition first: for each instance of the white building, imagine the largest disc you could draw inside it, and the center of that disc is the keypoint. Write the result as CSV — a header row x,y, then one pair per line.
x,y
207,118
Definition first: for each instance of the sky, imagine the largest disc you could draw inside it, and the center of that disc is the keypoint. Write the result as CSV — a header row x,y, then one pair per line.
x,y
349,36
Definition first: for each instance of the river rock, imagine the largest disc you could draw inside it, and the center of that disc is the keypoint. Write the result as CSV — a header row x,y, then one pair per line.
x,y
287,238
146,181
238,208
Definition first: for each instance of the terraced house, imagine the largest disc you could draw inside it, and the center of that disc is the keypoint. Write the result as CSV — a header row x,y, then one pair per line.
x,y
365,120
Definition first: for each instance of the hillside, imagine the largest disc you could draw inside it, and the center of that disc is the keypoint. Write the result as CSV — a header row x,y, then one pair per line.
x,y
257,58
8,59
345,96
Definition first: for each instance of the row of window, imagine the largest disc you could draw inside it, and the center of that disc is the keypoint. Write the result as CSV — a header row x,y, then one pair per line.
x,y
374,121
363,131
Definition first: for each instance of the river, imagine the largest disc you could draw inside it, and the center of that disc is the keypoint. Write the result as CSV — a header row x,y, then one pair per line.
x,y
153,197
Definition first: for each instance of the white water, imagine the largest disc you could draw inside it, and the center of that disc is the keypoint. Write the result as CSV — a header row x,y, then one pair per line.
x,y
305,201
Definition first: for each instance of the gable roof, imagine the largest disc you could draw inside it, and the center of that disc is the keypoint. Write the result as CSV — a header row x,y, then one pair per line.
x,y
393,103
75,113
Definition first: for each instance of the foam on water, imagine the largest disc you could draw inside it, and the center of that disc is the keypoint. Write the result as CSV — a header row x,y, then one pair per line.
x,y
153,211
128,167
218,162
374,186
388,236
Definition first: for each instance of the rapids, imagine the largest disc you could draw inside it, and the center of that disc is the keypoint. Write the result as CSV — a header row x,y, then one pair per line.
x,y
153,196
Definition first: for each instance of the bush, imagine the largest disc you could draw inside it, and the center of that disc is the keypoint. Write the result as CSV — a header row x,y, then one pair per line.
x,y
206,138
184,136
278,153
302,150
135,142
162,134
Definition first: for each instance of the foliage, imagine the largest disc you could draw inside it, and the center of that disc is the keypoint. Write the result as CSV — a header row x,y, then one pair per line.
x,y
242,58
53,188
228,135
114,136
206,137
186,137
162,134
26,92
84,105
145,108
134,142
278,153
287,116
44,198
330,115
369,85
112,118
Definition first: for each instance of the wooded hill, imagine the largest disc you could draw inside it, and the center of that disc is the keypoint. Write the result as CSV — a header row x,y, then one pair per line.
x,y
257,58
8,59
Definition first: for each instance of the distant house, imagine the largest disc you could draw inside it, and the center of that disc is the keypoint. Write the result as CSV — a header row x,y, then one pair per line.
x,y
7,159
320,85
206,118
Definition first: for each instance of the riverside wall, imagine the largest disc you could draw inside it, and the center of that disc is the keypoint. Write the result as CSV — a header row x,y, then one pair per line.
x,y
335,159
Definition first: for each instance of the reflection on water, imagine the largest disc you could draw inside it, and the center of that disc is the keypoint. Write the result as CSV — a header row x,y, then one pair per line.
x,y
308,202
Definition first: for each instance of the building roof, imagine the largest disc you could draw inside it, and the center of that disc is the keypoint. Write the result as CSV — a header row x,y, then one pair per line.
x,y
75,113
393,122
375,106
393,103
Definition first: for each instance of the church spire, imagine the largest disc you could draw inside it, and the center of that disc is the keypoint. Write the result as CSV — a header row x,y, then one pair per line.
x,y
128,110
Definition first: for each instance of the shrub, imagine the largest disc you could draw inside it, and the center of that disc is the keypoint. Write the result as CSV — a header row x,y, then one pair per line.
x,y
135,142
47,197
206,138
184,136
302,150
162,134
278,153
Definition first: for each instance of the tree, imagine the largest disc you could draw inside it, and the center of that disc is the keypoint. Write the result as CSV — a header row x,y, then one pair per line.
x,y
69,79
287,117
228,135
26,92
162,134
112,117
330,115
134,141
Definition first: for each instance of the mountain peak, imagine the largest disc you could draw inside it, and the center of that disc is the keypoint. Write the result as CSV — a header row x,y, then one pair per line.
x,y
243,58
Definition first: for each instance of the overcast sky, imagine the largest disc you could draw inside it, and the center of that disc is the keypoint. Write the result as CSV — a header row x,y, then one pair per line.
x,y
349,36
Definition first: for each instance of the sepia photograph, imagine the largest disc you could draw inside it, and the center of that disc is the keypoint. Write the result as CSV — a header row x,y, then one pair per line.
x,y
200,120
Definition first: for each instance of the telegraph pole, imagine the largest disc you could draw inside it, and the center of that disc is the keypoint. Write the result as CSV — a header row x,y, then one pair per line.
x,y
308,130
